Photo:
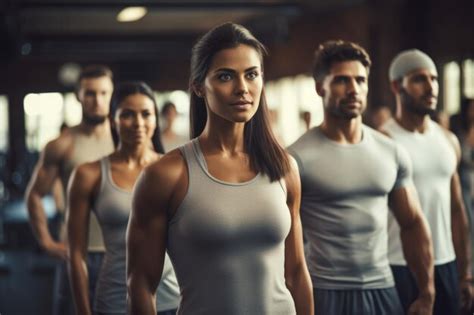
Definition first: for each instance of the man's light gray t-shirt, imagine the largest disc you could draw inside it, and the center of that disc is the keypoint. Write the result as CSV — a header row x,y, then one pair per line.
x,y
344,207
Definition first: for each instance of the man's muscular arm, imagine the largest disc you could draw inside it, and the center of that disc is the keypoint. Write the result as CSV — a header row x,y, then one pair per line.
x,y
41,183
417,246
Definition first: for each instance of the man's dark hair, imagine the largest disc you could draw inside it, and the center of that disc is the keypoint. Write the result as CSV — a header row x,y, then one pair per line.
x,y
94,71
167,107
337,51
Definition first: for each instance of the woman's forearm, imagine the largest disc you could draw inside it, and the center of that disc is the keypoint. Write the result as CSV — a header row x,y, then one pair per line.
x,y
78,276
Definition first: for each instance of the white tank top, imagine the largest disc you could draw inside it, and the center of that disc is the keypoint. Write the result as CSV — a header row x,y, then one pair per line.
x,y
434,163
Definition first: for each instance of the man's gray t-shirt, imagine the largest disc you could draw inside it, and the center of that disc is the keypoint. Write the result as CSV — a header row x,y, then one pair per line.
x,y
344,207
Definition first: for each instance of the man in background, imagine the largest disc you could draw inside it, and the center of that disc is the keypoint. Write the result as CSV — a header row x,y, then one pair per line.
x,y
88,141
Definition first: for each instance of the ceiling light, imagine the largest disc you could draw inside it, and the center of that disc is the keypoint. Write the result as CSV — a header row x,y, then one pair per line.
x,y
131,14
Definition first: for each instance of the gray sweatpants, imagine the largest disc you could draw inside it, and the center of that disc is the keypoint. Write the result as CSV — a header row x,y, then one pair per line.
x,y
357,302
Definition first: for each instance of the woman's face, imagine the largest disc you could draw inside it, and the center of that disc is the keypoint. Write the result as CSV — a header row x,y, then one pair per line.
x,y
135,119
233,84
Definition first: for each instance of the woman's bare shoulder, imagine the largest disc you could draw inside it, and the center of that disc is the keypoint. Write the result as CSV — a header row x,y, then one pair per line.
x,y
169,168
86,174
162,184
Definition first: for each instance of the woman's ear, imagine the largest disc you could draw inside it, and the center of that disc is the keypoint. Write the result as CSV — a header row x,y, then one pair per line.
x,y
197,89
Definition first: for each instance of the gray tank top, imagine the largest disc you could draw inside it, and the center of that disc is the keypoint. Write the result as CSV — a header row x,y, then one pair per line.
x,y
112,208
227,243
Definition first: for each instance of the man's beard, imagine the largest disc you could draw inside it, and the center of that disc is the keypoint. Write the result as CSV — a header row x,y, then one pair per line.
x,y
411,105
94,120
340,112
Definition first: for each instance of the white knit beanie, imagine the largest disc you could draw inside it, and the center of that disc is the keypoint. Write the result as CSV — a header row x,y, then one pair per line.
x,y
407,61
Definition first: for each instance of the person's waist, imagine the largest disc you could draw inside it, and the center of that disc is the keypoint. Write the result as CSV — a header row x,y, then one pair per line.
x,y
380,280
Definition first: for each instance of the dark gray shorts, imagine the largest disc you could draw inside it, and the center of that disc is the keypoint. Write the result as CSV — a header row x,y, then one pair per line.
x,y
446,285
357,302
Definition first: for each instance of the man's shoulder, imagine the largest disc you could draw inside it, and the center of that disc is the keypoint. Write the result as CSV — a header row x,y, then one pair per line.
x,y
304,141
382,144
392,128
447,133
58,148
450,137
380,136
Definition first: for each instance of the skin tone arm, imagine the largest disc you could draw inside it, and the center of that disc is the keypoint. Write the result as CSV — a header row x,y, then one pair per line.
x,y
58,194
147,229
81,191
460,233
297,276
41,183
417,246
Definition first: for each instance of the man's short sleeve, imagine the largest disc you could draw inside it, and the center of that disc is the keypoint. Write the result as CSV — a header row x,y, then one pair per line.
x,y
405,168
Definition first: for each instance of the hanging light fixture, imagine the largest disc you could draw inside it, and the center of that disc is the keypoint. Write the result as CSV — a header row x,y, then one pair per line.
x,y
131,14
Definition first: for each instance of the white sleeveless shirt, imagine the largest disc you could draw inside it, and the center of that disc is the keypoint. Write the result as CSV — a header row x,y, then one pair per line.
x,y
434,164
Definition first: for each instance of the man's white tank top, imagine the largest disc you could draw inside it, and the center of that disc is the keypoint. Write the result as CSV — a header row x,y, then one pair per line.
x,y
434,163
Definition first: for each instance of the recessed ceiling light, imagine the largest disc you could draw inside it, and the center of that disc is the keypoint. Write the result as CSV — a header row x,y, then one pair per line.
x,y
131,14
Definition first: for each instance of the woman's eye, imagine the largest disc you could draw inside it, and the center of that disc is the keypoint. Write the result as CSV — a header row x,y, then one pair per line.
x,y
252,75
225,77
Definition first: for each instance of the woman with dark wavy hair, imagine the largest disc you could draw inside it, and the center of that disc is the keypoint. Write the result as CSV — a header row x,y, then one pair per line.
x,y
105,186
226,204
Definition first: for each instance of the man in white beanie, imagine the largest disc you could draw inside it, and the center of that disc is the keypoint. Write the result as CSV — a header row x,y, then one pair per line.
x,y
435,153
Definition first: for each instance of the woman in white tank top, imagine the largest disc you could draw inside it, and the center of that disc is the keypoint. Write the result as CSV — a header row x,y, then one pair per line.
x,y
226,205
106,187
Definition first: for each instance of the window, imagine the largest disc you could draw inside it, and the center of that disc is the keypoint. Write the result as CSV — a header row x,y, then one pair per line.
x,y
181,100
451,84
309,100
468,69
3,123
453,91
72,110
44,116
289,100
